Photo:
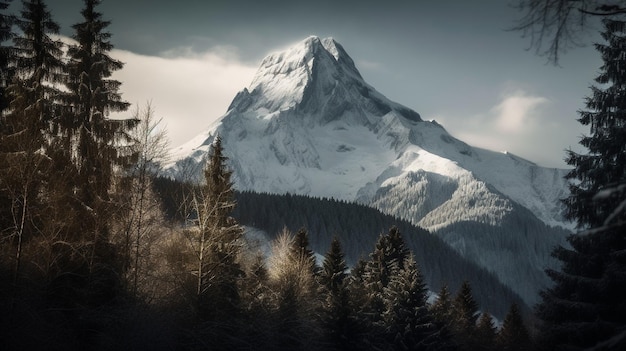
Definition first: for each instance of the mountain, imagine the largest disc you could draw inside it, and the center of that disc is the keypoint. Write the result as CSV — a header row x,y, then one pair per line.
x,y
309,124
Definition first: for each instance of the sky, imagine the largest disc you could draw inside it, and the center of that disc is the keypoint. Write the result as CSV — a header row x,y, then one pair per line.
x,y
453,61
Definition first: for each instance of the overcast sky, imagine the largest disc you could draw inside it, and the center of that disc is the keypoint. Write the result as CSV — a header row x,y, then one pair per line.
x,y
449,60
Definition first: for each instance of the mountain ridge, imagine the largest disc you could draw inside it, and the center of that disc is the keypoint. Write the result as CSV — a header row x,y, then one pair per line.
x,y
309,124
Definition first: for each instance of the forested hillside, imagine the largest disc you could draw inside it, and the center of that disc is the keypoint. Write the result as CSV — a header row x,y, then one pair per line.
x,y
358,227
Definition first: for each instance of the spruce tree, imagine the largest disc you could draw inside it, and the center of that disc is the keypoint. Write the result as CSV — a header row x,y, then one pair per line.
x,y
513,336
408,323
604,165
486,332
441,309
95,143
464,317
586,307
27,178
334,268
336,314
218,242
36,66
387,259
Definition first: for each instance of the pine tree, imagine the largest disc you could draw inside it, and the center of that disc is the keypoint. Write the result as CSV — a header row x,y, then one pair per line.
x,y
409,325
38,61
513,336
441,309
94,142
464,317
218,241
26,170
387,259
486,332
334,267
337,317
586,307
605,163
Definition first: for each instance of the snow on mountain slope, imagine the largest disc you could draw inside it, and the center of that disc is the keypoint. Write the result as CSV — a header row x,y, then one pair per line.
x,y
309,124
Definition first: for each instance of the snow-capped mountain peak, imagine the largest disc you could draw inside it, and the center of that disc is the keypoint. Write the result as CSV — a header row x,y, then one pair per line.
x,y
309,124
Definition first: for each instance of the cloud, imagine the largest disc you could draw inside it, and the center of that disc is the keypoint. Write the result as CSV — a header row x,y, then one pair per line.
x,y
188,90
517,112
518,123
368,65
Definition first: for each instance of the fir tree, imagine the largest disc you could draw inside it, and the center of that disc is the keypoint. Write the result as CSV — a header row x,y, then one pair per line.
x,y
37,66
513,336
486,332
218,242
337,317
92,139
409,325
464,317
26,173
386,260
441,310
334,268
605,163
586,307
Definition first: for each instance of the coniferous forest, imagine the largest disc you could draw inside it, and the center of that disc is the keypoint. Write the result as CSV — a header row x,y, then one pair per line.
x,y
99,252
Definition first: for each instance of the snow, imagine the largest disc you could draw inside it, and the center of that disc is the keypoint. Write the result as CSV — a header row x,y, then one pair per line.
x,y
309,124
280,146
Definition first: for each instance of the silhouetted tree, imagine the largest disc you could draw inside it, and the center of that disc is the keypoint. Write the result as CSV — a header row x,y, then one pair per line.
x,y
441,309
97,144
586,307
514,335
464,317
486,332
337,317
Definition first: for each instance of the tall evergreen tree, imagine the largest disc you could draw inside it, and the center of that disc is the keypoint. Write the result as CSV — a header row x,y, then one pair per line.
x,y
337,316
36,65
92,139
604,164
219,239
441,309
409,325
464,317
486,332
26,127
513,336
387,259
586,308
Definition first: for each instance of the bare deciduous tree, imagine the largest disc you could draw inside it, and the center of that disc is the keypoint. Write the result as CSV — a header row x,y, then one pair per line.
x,y
554,26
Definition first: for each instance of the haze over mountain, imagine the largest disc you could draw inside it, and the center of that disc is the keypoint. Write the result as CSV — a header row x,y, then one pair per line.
x,y
309,124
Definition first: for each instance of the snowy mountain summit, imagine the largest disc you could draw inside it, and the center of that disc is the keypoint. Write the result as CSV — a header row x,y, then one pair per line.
x,y
309,124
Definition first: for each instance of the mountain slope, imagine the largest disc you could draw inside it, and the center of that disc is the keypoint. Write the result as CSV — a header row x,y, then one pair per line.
x,y
309,124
